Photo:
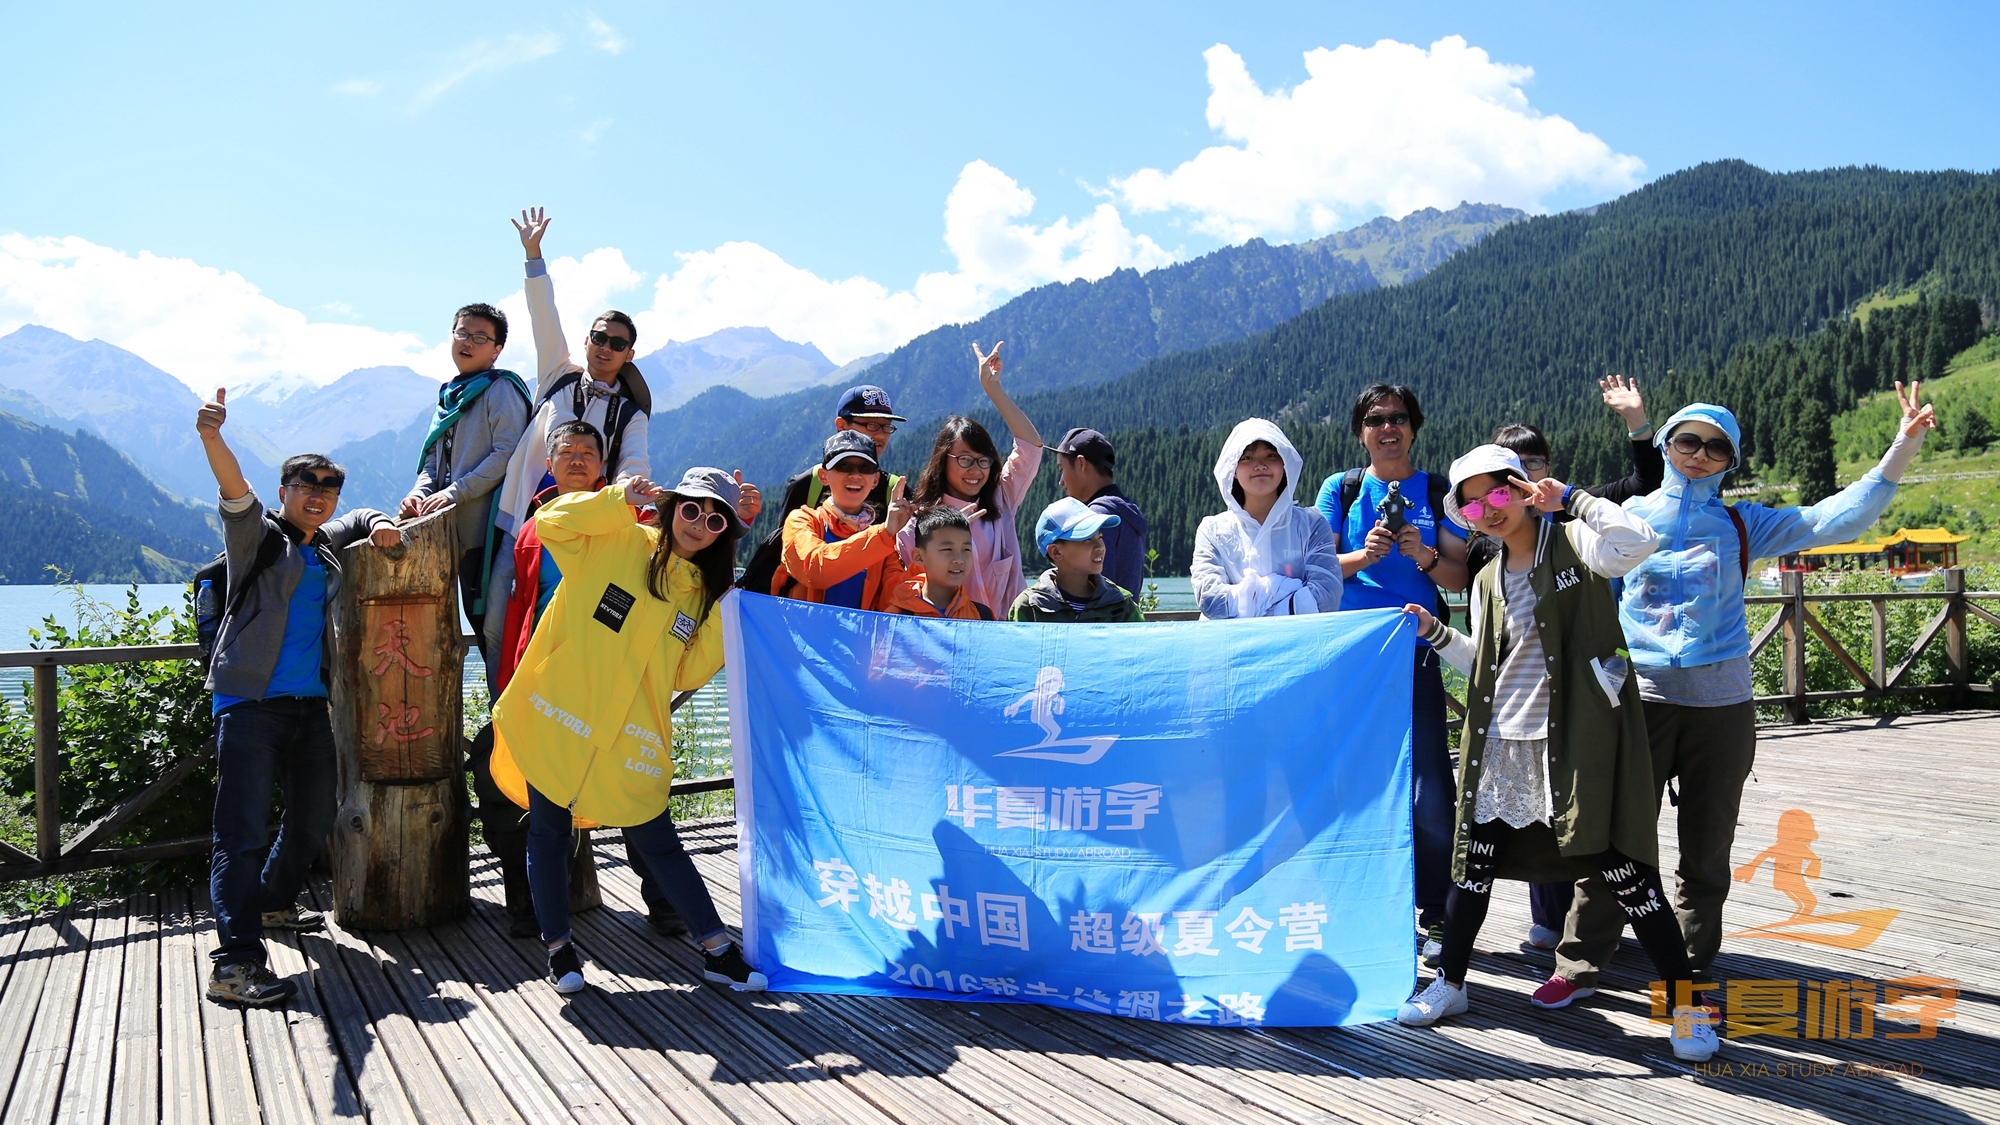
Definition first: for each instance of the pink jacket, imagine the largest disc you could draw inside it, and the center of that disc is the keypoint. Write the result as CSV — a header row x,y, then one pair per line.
x,y
995,578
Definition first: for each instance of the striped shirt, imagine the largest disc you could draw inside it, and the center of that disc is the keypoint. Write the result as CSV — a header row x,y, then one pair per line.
x,y
1521,696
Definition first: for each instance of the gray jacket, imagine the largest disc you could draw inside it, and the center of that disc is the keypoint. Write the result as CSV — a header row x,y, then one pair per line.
x,y
471,460
248,641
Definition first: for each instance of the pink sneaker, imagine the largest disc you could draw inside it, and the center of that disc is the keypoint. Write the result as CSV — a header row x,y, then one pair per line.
x,y
1559,993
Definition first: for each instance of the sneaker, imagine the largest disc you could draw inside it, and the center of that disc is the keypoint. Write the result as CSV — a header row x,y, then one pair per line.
x,y
251,983
727,966
566,968
523,926
1694,1034
294,917
1542,938
1433,945
1559,993
1432,1004
665,921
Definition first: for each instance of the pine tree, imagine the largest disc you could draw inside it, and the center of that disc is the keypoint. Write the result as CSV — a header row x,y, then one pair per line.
x,y
1971,430
1809,451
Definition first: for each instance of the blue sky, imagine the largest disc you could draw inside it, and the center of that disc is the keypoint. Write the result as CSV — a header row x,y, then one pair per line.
x,y
354,165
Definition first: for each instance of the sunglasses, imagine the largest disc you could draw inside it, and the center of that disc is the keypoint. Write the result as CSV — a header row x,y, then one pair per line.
x,y
479,338
1377,421
305,480
1475,510
1717,449
967,461
854,467
690,512
604,339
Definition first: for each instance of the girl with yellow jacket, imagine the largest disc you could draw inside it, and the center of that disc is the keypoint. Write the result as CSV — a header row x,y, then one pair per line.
x,y
584,733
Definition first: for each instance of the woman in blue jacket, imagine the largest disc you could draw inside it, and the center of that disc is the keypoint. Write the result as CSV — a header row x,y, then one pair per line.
x,y
1683,615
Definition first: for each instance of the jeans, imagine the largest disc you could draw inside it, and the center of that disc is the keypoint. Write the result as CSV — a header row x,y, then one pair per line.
x,y
1436,790
288,740
549,842
649,887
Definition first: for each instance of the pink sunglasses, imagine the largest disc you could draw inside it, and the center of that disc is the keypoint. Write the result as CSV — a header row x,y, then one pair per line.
x,y
1475,510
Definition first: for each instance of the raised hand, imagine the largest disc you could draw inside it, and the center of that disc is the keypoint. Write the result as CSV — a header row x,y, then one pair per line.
x,y
900,512
640,492
749,501
1547,494
534,223
989,362
1622,395
1915,418
208,421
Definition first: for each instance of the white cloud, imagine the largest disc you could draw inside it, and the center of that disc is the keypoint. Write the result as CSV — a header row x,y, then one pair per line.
x,y
1384,129
206,327
486,55
742,283
358,87
607,37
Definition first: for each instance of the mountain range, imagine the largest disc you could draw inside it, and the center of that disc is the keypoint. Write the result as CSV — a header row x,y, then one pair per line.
x,y
755,361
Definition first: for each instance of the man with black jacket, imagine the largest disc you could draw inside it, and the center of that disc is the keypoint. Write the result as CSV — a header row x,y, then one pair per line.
x,y
268,677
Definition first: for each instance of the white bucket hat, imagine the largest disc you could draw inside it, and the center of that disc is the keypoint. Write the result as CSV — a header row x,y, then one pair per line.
x,y
1485,459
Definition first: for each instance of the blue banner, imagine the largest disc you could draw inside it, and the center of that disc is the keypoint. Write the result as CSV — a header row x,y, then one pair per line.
x,y
1199,822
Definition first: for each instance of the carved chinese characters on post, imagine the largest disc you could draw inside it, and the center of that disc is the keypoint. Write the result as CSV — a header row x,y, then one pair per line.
x,y
400,655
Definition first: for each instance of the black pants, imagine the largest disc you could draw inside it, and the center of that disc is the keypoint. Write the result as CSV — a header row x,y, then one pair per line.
x,y
1635,885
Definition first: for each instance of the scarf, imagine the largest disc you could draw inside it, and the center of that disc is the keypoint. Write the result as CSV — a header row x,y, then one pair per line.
x,y
456,397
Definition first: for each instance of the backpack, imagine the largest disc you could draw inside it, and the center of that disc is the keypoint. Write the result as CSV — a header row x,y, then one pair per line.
x,y
209,610
620,412
765,561
1437,486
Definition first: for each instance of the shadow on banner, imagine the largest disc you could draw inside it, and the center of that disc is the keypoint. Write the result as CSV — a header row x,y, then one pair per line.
x,y
1198,822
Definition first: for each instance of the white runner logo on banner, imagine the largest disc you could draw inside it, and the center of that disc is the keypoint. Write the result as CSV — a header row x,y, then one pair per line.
x,y
1045,703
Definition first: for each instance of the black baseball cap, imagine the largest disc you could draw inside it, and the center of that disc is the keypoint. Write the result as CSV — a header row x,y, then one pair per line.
x,y
868,401
847,443
1089,445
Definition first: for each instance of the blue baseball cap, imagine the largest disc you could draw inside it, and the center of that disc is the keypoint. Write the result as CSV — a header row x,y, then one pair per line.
x,y
1069,518
868,401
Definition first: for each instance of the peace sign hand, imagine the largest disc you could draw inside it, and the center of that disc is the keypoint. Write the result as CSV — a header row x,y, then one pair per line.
x,y
989,362
1916,419
534,223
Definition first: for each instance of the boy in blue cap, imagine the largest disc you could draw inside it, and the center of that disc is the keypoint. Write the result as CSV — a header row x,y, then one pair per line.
x,y
1074,589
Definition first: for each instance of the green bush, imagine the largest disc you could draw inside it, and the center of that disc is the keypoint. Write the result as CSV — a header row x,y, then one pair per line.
x,y
121,726
1851,623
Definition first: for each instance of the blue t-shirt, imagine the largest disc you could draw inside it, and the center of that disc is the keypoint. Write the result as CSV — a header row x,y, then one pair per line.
x,y
297,672
546,581
1394,581
847,592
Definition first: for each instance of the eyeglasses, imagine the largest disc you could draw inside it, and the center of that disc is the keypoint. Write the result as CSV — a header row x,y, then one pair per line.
x,y
479,338
1376,421
604,339
967,461
1494,500
305,481
690,512
1535,464
883,428
1717,449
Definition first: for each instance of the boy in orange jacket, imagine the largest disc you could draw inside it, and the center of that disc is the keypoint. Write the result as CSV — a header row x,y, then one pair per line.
x,y
836,553
944,555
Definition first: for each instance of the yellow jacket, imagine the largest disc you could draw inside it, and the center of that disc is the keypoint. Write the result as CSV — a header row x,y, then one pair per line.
x,y
587,717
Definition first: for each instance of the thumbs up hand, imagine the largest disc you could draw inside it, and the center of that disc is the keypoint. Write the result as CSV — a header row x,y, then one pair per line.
x,y
209,421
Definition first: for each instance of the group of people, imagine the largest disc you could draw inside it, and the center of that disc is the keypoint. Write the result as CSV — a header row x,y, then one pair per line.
x,y
1606,649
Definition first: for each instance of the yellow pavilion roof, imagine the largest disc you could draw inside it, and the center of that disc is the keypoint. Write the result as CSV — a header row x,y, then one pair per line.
x,y
1923,536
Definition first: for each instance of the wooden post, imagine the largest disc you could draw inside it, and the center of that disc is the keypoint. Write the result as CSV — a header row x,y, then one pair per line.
x,y
399,850
48,767
1954,635
1791,584
1879,641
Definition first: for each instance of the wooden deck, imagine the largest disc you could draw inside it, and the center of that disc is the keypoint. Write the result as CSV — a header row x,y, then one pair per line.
x,y
101,1017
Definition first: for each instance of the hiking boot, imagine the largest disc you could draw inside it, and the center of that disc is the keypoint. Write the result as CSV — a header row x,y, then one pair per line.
x,y
1694,1033
523,926
1433,945
665,921
294,917
566,968
250,983
1432,1004
1559,992
727,966
1542,938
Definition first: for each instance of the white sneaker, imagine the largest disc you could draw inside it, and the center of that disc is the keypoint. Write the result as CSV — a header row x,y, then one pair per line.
x,y
1694,1034
566,969
1543,938
1435,1003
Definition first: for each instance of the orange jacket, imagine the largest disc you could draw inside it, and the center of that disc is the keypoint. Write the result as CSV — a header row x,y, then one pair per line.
x,y
812,564
908,598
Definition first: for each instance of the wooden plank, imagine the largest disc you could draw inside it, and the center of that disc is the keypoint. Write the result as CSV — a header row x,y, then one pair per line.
x,y
135,1078
232,1086
183,1071
46,1055
478,1089
373,1075
328,1084
274,1062
86,1080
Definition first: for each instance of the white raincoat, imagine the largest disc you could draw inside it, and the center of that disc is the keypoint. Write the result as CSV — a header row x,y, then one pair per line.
x,y
1285,565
